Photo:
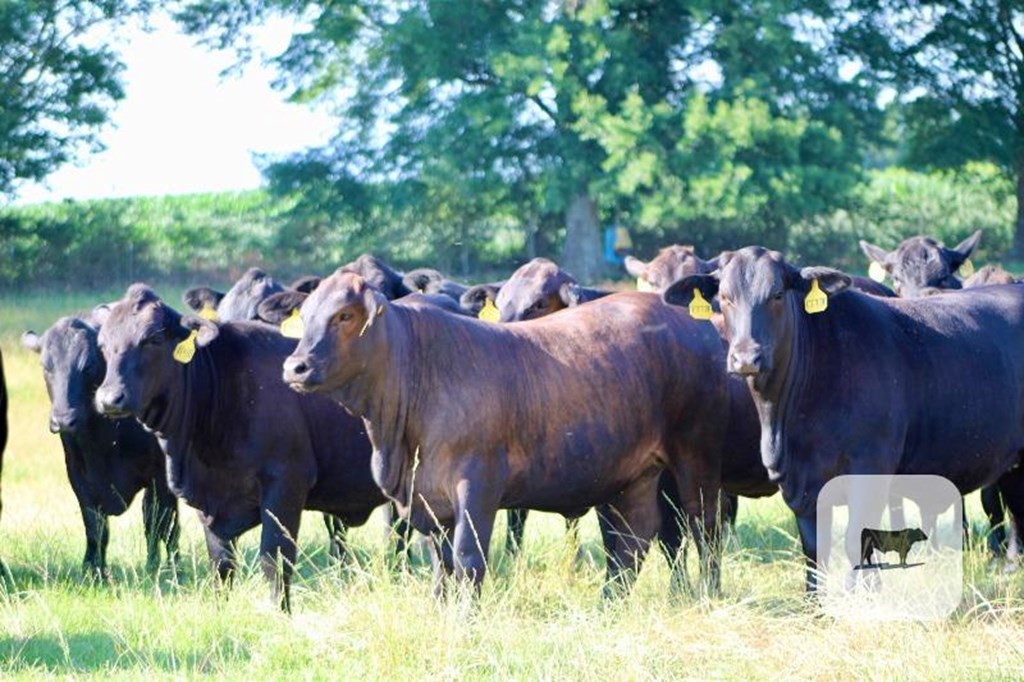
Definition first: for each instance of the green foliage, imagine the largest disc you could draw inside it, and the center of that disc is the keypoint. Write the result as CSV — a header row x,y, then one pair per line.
x,y
57,82
897,203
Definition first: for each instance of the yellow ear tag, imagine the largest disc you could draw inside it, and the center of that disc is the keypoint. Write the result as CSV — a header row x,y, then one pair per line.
x,y
967,269
186,350
699,308
292,328
643,285
876,272
489,313
817,300
208,312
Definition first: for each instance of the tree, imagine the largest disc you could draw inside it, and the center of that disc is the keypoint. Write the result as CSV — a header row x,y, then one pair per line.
x,y
57,85
961,65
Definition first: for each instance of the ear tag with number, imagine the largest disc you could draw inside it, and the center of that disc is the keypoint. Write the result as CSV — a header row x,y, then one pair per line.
x,y
208,312
817,300
966,269
292,328
489,313
643,285
700,309
186,350
876,272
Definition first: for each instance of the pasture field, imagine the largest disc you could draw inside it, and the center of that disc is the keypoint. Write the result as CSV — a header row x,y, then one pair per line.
x,y
540,617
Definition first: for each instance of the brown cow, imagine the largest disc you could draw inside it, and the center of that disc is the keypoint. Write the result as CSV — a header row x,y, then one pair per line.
x,y
563,413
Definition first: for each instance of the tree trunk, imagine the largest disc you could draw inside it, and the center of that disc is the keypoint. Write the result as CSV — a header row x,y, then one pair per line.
x,y
1018,227
581,256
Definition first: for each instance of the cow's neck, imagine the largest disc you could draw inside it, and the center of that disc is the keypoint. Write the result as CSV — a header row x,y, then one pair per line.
x,y
381,396
774,393
185,407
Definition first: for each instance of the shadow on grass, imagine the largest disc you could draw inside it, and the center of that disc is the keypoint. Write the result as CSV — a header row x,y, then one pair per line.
x,y
82,653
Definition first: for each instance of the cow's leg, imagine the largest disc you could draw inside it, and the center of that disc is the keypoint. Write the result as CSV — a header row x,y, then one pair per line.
x,y
222,556
399,531
673,533
516,529
992,504
280,514
168,528
807,525
633,521
1011,486
700,492
477,494
97,535
441,558
154,525
336,536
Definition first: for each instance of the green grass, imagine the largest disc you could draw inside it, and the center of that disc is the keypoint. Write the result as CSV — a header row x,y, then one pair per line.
x,y
540,617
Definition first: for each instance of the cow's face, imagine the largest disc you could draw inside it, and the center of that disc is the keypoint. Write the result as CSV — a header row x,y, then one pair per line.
x,y
761,298
920,264
242,299
338,332
72,368
916,535
672,264
476,297
137,341
536,289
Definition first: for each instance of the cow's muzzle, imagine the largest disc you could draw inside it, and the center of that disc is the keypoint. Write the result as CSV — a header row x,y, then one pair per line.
x,y
300,374
747,361
112,402
65,422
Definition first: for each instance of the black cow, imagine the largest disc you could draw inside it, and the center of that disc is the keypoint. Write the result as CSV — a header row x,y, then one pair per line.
x,y
871,385
108,461
922,266
430,281
476,296
672,263
900,541
242,448
920,262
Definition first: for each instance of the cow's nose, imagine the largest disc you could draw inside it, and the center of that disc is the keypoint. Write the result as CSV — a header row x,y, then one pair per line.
x,y
111,401
745,362
298,372
63,423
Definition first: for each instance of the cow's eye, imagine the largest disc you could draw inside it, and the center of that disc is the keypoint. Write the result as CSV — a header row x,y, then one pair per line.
x,y
344,317
777,296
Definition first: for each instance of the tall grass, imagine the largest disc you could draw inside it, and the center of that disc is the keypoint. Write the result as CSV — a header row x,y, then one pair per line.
x,y
539,617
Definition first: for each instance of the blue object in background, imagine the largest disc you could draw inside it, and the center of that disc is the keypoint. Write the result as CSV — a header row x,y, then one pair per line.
x,y
617,244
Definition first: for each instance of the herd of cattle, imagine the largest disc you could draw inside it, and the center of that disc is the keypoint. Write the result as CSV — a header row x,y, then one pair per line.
x,y
559,398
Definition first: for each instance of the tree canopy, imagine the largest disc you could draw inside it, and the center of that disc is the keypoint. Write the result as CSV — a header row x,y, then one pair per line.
x,y
58,83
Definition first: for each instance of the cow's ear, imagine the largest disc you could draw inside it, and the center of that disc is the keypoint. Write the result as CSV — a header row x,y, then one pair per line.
x,y
206,330
570,294
635,266
32,341
99,314
830,281
306,284
198,298
276,308
963,250
375,303
681,292
876,254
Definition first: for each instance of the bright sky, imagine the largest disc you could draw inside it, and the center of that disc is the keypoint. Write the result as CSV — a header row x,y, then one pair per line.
x,y
182,129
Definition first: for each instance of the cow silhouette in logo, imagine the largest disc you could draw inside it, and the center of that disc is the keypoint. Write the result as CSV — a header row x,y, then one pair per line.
x,y
872,540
